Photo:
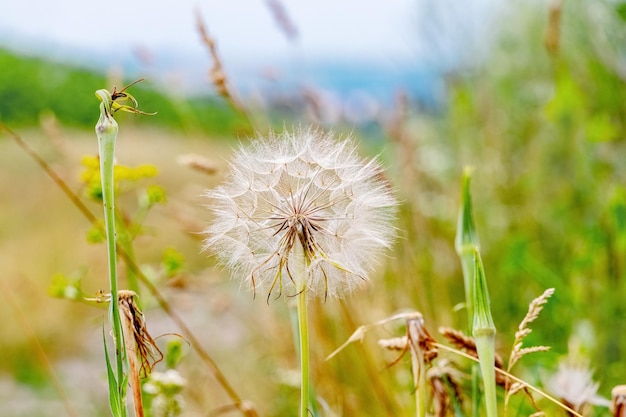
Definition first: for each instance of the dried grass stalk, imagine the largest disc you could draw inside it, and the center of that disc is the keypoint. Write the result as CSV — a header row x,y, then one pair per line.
x,y
534,309
445,386
553,36
618,395
218,74
282,19
198,163
141,349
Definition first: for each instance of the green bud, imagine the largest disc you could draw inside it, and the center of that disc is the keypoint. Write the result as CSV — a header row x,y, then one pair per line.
x,y
466,236
483,322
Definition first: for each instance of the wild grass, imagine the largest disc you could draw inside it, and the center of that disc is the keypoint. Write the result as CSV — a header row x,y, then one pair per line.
x,y
543,129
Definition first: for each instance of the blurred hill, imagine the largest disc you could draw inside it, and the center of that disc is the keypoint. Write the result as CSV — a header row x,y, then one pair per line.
x,y
31,86
178,87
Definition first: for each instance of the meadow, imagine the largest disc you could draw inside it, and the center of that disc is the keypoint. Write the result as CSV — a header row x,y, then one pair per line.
x,y
541,120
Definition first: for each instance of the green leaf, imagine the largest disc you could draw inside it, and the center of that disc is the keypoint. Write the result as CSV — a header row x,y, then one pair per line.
x,y
172,261
568,104
174,353
156,195
600,128
115,401
483,320
96,234
466,235
620,8
65,287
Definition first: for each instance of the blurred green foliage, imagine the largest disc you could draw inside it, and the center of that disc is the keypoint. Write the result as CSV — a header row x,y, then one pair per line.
x,y
31,86
545,129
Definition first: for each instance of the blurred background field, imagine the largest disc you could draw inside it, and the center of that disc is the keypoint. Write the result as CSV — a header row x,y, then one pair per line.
x,y
531,94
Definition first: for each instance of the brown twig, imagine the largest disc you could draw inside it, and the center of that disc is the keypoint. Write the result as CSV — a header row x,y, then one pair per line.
x,y
198,163
282,19
218,74
553,35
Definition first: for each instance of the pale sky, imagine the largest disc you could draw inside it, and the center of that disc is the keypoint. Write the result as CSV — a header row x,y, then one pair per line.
x,y
242,28
393,33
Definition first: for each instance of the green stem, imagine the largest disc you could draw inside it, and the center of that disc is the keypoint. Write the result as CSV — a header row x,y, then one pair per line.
x,y
484,332
419,379
485,347
418,364
466,254
475,391
304,353
467,265
300,274
106,130
466,244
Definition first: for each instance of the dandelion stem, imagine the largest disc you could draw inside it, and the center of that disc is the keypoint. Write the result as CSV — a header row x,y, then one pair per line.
x,y
304,353
303,327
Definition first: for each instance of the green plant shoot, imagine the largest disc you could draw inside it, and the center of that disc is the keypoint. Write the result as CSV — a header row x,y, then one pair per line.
x,y
466,241
466,244
106,131
484,332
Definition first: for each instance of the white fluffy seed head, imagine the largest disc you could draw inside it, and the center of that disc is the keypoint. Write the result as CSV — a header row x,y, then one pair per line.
x,y
573,382
303,194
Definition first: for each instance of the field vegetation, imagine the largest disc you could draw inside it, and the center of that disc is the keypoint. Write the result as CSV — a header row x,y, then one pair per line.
x,y
540,120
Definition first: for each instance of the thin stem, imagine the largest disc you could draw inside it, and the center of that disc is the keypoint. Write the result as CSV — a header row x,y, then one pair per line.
x,y
485,341
300,275
418,364
419,380
484,332
475,392
466,243
304,353
106,130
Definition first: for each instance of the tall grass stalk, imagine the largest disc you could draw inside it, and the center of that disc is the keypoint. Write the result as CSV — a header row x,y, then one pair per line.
x,y
484,332
466,243
106,130
415,336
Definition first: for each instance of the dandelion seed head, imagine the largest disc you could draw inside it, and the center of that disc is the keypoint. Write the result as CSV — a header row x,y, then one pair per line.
x,y
302,194
573,383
